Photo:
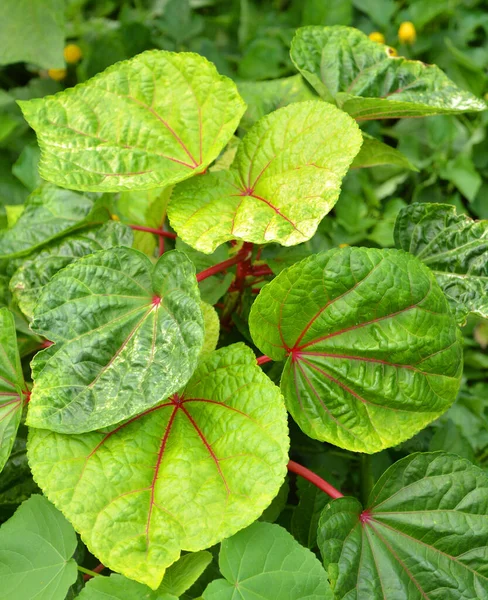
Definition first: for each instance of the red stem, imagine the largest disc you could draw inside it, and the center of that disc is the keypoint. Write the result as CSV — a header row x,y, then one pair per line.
x,y
315,479
98,569
263,359
219,267
159,232
261,270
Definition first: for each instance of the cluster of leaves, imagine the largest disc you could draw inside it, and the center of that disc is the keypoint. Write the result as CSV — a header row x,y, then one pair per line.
x,y
171,219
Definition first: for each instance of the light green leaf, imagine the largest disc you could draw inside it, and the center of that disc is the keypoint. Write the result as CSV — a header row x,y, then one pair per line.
x,y
13,390
38,269
372,352
264,561
118,587
122,130
32,32
454,247
36,549
50,213
127,334
374,153
424,534
182,475
182,574
359,75
212,327
286,176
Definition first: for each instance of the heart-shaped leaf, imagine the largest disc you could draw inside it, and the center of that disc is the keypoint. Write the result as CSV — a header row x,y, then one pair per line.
x,y
127,334
36,549
285,177
265,561
182,475
13,390
373,353
360,76
423,535
456,249
122,130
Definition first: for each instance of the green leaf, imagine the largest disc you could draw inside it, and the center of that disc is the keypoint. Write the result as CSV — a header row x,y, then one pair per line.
x,y
212,327
285,177
32,32
359,75
372,352
50,213
127,334
122,130
36,549
454,247
183,475
118,587
182,574
423,535
374,153
39,268
265,561
12,387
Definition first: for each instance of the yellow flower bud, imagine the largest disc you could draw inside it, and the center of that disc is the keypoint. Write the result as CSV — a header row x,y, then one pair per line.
x,y
343,245
115,218
57,74
377,36
407,33
72,53
392,51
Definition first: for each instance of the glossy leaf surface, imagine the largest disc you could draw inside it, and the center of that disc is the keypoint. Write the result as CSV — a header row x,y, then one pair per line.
x,y
122,130
265,561
285,177
423,535
373,353
359,75
183,475
454,247
127,334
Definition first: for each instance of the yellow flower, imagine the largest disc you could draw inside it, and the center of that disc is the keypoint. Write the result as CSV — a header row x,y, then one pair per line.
x,y
392,51
377,36
72,53
407,33
57,74
115,218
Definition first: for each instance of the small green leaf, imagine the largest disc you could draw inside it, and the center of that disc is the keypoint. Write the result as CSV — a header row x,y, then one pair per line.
x,y
265,561
372,352
212,328
182,475
423,535
118,587
12,387
454,247
182,574
127,334
359,75
374,153
285,177
36,549
122,130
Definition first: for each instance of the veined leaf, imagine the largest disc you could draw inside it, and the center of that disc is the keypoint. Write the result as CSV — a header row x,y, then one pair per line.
x,y
122,130
182,574
50,212
36,549
182,475
373,353
118,587
285,177
456,249
127,334
265,561
212,327
359,75
374,153
423,535
13,390
37,270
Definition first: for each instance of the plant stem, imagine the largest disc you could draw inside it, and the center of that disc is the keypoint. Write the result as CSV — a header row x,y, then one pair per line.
x,y
367,480
88,572
261,270
315,479
160,232
261,360
219,267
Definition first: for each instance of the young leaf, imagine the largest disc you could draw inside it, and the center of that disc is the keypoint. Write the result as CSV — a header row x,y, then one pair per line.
x,y
118,587
39,268
374,153
182,574
373,353
147,122
285,177
359,75
127,334
36,549
456,249
182,475
50,213
423,535
212,327
265,561
13,390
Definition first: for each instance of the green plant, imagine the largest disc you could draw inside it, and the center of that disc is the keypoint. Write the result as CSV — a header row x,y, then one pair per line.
x,y
152,442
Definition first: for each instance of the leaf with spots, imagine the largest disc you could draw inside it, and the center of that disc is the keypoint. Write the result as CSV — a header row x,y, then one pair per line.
x,y
372,351
126,335
183,475
422,536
